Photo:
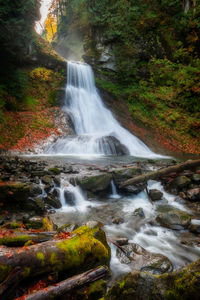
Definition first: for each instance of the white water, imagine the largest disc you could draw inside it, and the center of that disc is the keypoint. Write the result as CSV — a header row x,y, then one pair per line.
x,y
114,194
97,131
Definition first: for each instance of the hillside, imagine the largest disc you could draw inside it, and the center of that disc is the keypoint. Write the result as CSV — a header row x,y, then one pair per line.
x,y
146,55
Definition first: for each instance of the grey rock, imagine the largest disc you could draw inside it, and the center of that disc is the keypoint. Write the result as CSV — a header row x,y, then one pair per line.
x,y
47,179
53,202
69,198
140,259
175,219
139,212
155,195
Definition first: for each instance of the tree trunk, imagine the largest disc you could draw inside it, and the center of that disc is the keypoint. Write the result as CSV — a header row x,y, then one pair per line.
x,y
162,172
69,284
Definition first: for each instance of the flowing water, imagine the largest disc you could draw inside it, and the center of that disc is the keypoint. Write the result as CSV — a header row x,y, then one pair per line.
x,y
96,129
98,133
153,238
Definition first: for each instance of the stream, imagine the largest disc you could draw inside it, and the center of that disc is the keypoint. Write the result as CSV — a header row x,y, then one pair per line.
x,y
100,141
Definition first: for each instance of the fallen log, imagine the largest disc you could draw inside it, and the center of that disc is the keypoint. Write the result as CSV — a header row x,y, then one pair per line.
x,y
61,288
161,172
86,247
20,239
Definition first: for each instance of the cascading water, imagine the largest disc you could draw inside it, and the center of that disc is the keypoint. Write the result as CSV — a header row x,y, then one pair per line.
x,y
97,131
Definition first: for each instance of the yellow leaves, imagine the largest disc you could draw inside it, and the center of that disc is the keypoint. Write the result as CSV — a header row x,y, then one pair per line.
x,y
50,27
42,74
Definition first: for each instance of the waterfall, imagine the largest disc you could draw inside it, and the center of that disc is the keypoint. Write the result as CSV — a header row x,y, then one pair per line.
x,y
114,194
97,131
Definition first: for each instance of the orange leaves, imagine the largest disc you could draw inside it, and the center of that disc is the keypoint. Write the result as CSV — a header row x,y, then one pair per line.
x,y
63,235
51,27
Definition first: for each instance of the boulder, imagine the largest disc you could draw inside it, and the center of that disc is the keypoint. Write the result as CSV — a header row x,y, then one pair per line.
x,y
196,178
121,175
69,198
155,195
140,259
47,180
15,192
111,145
53,202
174,219
96,183
178,184
139,212
181,284
193,194
35,190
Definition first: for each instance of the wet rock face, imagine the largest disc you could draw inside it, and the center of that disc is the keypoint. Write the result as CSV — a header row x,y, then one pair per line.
x,y
155,195
112,144
121,175
69,198
140,259
174,219
139,212
96,184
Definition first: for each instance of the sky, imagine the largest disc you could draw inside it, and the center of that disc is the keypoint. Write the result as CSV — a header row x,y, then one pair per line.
x,y
45,4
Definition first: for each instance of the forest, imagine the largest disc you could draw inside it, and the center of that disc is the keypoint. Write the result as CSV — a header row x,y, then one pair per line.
x,y
99,149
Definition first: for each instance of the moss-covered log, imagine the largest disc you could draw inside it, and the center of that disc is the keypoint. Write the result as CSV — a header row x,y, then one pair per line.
x,y
183,284
160,173
86,248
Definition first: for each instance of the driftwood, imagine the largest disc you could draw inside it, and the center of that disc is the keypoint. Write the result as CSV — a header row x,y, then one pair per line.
x,y
9,285
162,172
69,284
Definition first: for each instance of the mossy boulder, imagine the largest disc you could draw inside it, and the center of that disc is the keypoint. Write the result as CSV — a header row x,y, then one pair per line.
x,y
121,175
96,183
183,284
14,191
174,219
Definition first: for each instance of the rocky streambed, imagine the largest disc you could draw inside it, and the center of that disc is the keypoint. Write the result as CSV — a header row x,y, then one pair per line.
x,y
151,227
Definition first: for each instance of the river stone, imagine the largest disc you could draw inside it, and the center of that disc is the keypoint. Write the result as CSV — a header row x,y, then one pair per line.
x,y
178,184
155,195
47,180
14,191
196,178
53,202
139,212
35,190
193,194
69,198
111,143
133,189
174,219
140,259
96,183
121,175
54,171
57,180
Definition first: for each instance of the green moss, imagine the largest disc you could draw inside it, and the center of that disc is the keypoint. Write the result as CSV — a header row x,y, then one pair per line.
x,y
54,170
85,243
41,257
47,224
13,225
97,289
15,240
122,283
